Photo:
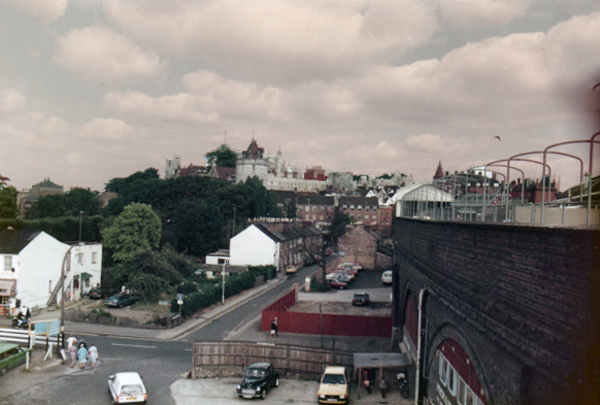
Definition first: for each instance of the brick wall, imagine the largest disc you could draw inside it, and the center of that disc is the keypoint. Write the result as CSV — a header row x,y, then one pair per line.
x,y
523,301
359,246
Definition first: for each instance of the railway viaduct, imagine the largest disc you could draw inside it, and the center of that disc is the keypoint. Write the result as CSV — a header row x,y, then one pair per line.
x,y
498,313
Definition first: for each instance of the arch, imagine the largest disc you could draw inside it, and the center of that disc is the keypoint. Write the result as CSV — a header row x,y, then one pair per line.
x,y
451,332
407,296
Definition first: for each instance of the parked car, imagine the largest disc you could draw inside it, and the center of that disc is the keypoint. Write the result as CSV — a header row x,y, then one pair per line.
x,y
121,300
353,266
291,269
345,278
94,294
127,388
360,298
386,277
310,261
335,283
258,381
334,387
11,355
348,270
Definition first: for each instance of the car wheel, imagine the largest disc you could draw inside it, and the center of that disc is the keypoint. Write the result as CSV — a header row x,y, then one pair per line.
x,y
264,394
3,371
342,287
277,382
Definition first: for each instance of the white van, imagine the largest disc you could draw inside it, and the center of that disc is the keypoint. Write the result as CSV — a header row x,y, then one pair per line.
x,y
127,388
386,277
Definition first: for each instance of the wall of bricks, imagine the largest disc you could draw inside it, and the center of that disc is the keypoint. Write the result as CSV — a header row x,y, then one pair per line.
x,y
359,246
523,301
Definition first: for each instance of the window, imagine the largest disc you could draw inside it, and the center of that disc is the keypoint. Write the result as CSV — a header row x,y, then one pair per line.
x,y
79,258
314,209
367,209
451,379
94,257
462,388
322,208
5,301
7,263
359,217
470,397
374,209
443,370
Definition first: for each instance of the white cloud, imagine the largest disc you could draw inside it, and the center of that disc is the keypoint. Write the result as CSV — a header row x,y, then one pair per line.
x,y
432,143
479,13
10,100
279,41
101,54
47,11
105,129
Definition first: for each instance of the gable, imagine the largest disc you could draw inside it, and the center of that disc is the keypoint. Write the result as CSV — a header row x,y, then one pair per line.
x,y
12,241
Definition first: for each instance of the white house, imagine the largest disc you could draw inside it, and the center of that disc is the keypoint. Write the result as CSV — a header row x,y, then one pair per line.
x,y
31,268
254,246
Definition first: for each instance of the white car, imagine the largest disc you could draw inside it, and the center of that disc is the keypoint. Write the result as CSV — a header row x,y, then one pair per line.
x,y
127,388
386,277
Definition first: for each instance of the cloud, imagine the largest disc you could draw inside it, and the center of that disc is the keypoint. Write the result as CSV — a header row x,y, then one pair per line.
x,y
47,11
482,13
10,101
101,54
432,143
105,129
278,41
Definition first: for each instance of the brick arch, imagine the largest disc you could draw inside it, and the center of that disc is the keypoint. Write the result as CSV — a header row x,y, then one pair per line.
x,y
452,332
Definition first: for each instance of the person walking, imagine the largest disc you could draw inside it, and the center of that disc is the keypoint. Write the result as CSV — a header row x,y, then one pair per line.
x,y
93,352
274,326
72,341
72,354
82,355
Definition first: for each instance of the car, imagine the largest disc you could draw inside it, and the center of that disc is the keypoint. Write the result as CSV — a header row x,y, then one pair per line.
x,y
127,388
335,283
94,294
360,298
121,300
386,277
354,266
348,270
11,355
334,387
310,261
259,379
345,278
291,269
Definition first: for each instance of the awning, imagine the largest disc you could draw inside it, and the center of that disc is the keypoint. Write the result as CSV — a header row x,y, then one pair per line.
x,y
85,276
8,288
383,360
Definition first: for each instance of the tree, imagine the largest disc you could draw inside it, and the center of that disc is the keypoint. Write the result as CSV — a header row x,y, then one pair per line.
x,y
137,230
261,202
222,156
198,228
338,225
3,181
81,199
8,202
47,206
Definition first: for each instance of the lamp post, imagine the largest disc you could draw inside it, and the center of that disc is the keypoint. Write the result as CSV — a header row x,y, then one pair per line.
x,y
80,218
223,283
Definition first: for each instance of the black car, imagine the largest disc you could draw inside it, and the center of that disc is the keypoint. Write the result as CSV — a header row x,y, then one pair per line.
x,y
94,294
121,300
360,298
258,381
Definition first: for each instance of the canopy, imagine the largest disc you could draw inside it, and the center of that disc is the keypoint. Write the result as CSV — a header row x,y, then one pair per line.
x,y
8,288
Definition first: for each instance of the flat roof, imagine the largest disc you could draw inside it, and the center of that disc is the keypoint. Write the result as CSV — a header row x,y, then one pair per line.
x,y
375,360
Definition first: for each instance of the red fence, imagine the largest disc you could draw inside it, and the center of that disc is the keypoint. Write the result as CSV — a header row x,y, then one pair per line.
x,y
310,323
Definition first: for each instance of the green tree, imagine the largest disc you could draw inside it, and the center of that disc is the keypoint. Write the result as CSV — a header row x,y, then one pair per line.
x,y
49,206
261,202
8,202
137,230
222,156
338,225
198,228
81,199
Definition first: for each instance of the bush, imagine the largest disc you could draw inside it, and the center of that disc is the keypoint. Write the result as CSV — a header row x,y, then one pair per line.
x,y
316,286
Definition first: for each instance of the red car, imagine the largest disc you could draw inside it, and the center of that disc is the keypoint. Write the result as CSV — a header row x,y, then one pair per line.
x,y
333,283
346,269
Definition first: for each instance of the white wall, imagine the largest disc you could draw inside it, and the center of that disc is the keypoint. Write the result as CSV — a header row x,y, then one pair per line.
x,y
88,265
252,247
38,264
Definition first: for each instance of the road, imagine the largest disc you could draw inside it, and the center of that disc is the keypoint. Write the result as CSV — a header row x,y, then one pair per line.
x,y
160,363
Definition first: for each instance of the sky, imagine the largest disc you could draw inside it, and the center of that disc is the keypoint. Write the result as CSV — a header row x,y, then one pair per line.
x,y
91,90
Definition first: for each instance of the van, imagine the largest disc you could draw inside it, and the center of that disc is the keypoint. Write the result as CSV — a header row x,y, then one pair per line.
x,y
127,388
11,355
334,387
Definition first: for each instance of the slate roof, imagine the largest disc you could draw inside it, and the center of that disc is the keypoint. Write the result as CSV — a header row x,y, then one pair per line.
x,y
316,200
289,233
12,241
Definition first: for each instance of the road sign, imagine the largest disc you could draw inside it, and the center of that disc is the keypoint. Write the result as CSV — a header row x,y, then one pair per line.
x,y
179,299
163,302
54,328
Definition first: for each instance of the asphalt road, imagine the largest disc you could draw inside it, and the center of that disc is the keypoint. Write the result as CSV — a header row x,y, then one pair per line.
x,y
160,363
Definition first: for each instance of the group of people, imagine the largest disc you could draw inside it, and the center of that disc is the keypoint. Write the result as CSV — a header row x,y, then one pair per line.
x,y
79,352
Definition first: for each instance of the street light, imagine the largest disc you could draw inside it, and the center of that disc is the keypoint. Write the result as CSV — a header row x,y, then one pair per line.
x,y
80,218
223,283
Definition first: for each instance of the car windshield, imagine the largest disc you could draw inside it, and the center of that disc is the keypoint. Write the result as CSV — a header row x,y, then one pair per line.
x,y
255,373
132,390
333,379
360,296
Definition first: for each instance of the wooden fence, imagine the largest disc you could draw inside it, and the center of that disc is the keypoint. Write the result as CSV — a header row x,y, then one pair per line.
x,y
226,358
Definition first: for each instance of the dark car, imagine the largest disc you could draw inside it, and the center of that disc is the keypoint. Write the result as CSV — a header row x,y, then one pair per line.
x,y
121,300
258,381
94,294
360,298
310,261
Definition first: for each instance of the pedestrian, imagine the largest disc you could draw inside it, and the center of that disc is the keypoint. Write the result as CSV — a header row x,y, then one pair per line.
x,y
275,324
71,341
72,354
93,352
82,355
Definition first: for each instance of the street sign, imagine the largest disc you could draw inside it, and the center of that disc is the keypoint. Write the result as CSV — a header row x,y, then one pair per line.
x,y
163,303
179,299
54,328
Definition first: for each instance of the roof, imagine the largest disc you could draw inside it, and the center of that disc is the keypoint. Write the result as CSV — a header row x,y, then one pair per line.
x,y
259,365
348,199
376,360
128,377
47,184
12,241
316,199
289,233
225,173
422,192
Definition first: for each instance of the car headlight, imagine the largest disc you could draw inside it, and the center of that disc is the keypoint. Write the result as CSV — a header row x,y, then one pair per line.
x,y
257,389
342,396
322,396
239,387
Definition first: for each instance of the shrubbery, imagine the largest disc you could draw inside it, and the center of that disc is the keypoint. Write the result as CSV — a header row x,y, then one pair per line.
x,y
316,286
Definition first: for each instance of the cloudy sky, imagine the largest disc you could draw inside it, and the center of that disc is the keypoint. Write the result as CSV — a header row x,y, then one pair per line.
x,y
91,90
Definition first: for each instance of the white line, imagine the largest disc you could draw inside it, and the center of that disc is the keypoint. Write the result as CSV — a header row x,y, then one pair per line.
x,y
140,346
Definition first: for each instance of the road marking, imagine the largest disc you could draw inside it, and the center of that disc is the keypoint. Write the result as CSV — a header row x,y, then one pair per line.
x,y
140,346
188,350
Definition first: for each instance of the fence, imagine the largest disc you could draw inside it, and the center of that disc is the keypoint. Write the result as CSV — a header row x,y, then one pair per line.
x,y
228,358
22,338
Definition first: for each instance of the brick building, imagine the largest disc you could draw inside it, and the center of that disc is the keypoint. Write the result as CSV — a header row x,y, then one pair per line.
x,y
316,209
363,210
365,247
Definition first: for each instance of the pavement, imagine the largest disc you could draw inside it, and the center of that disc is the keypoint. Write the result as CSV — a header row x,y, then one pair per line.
x,y
187,391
